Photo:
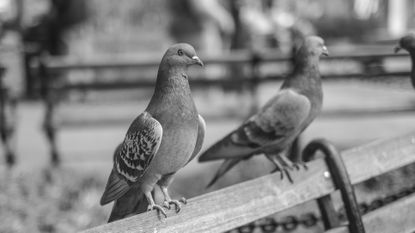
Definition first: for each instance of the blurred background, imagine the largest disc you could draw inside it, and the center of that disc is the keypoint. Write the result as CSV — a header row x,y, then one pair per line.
x,y
75,73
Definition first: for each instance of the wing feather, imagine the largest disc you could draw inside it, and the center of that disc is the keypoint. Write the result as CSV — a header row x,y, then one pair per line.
x,y
132,156
201,129
279,120
141,143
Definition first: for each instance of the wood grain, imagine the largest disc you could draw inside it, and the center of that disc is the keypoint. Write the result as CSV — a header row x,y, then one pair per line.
x,y
242,203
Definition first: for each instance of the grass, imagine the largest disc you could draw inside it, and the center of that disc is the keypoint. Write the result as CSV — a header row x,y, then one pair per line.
x,y
49,201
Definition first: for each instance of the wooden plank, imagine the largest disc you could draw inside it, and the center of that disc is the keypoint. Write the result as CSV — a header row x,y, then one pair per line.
x,y
233,206
242,203
397,217
379,157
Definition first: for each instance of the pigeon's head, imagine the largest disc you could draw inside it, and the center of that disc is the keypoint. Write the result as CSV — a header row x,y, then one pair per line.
x,y
182,55
314,46
407,42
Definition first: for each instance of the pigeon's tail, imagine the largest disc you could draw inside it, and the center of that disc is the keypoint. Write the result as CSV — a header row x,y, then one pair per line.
x,y
224,168
133,202
115,188
227,149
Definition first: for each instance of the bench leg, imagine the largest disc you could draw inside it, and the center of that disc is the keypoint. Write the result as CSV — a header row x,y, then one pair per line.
x,y
341,181
8,142
7,121
49,128
8,130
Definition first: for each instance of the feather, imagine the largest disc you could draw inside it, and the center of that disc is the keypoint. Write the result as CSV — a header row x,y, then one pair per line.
x,y
115,188
224,168
201,129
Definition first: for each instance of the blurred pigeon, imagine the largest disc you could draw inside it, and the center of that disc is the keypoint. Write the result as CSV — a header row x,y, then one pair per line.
x,y
408,43
159,142
273,129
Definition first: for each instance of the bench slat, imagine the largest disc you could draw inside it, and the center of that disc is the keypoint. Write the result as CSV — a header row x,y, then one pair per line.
x,y
397,217
242,203
236,57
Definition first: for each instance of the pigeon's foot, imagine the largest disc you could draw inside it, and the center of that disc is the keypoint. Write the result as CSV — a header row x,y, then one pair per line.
x,y
296,165
152,206
168,201
174,202
284,172
158,208
300,165
280,168
183,200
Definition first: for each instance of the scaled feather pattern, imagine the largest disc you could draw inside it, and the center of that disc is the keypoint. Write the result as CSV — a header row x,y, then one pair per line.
x,y
159,142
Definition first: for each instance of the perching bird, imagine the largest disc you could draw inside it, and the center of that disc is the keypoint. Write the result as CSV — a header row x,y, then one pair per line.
x,y
273,129
159,142
408,43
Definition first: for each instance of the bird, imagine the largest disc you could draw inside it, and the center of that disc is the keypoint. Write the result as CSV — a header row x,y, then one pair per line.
x,y
408,43
272,130
159,142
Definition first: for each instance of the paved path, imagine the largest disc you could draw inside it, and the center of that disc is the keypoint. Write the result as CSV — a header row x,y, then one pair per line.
x,y
90,149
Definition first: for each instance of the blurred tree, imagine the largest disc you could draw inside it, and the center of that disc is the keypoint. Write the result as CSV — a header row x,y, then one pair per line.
x,y
206,24
46,34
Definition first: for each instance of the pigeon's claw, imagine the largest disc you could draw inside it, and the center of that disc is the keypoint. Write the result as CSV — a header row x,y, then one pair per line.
x,y
279,167
166,205
183,200
296,165
287,174
174,202
158,208
300,165
284,172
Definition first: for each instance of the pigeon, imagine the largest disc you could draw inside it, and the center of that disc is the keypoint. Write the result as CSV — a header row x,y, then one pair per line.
x,y
159,142
408,43
275,126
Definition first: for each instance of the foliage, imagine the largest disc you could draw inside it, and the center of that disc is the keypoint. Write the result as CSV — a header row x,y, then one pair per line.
x,y
49,201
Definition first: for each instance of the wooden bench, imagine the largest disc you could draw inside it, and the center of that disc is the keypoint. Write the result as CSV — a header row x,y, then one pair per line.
x,y
53,91
243,203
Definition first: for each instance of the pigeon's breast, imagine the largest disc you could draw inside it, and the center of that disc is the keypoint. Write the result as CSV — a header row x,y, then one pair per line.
x,y
178,142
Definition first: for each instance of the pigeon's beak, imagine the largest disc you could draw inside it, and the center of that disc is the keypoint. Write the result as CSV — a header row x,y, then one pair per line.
x,y
325,51
197,60
397,49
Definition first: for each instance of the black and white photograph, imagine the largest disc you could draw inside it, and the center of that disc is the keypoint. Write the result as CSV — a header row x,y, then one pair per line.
x,y
207,116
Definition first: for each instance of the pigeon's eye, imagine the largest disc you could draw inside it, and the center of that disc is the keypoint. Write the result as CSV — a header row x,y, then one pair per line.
x,y
180,52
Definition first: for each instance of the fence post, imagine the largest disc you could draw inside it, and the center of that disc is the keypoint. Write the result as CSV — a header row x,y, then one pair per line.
x,y
341,181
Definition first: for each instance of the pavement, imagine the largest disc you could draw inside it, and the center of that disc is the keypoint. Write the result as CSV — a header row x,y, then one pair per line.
x,y
89,149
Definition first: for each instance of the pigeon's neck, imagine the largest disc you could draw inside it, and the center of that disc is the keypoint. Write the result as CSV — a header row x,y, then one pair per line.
x,y
172,81
305,62
306,77
172,90
306,72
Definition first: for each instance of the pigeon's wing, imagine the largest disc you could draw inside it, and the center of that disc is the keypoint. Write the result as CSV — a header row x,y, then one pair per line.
x,y
201,129
279,120
133,156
